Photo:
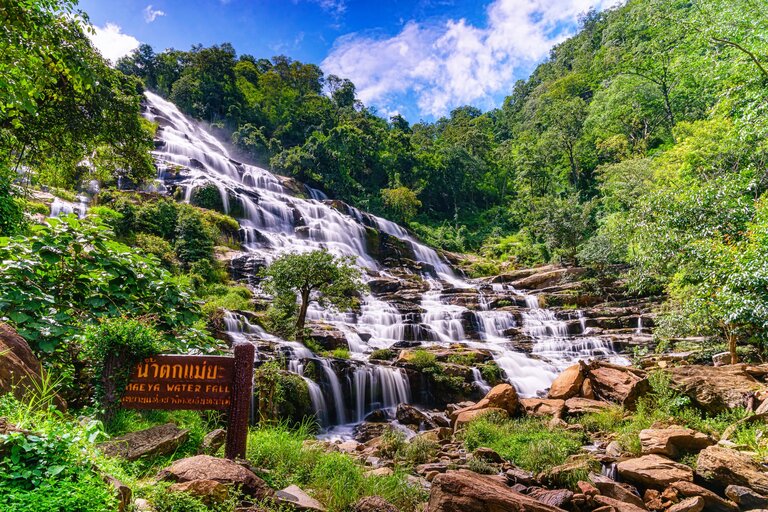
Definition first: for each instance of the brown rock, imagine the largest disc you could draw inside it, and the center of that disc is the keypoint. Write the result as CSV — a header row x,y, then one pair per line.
x,y
672,441
586,389
715,389
692,504
584,405
487,455
617,383
465,491
746,497
410,415
298,499
501,396
555,497
542,406
723,466
618,505
653,500
618,491
464,417
568,383
373,504
587,488
209,491
212,441
653,471
205,467
712,502
158,440
19,368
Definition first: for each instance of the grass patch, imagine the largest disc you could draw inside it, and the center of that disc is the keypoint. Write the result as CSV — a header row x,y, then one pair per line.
x,y
526,442
227,297
336,479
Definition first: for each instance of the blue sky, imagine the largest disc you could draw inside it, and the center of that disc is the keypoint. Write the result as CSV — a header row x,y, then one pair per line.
x,y
419,58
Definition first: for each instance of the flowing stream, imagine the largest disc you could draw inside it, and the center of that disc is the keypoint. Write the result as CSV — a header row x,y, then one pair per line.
x,y
274,219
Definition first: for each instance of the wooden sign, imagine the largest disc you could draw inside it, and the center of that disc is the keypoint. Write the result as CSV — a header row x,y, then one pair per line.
x,y
198,382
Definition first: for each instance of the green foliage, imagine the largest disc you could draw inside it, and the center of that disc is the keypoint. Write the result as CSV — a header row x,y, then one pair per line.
x,y
51,467
229,297
164,500
194,242
419,450
491,373
312,276
422,359
383,354
68,271
113,348
402,202
391,443
527,442
11,213
336,479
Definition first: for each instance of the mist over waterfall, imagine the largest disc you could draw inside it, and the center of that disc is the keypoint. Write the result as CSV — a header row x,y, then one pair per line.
x,y
417,299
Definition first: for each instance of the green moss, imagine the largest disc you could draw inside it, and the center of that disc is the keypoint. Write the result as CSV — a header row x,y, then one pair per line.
x,y
383,354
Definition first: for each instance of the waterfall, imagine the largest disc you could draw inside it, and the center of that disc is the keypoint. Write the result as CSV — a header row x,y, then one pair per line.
x,y
479,382
276,217
61,207
639,329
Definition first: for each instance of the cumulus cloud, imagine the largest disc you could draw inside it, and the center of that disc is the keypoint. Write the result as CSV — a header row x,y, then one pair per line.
x,y
112,43
454,62
151,14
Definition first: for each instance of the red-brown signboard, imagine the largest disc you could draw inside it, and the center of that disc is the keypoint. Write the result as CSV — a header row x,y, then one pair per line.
x,y
180,382
198,382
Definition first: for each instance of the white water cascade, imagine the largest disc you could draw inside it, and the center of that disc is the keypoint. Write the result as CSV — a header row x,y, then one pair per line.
x,y
275,218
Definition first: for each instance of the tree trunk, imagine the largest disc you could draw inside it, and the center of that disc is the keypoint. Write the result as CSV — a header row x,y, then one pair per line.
x,y
302,315
732,347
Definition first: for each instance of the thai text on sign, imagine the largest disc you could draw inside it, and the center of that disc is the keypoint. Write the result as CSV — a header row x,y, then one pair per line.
x,y
180,382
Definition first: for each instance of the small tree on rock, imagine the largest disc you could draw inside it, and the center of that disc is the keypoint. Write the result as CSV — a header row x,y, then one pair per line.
x,y
312,276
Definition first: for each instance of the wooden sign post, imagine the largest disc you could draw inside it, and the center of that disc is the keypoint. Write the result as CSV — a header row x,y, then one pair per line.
x,y
198,382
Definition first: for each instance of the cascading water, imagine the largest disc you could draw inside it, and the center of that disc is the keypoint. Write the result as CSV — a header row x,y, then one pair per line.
x,y
275,220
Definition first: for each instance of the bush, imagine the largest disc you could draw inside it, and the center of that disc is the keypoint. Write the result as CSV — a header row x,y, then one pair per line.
x,y
383,354
194,241
208,196
152,244
164,500
422,359
232,298
113,348
420,450
391,443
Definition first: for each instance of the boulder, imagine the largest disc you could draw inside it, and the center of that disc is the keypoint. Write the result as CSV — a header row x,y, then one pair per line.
x,y
672,441
488,455
692,504
568,383
586,389
554,497
746,498
618,505
209,491
373,504
714,388
205,467
712,502
578,405
722,467
625,493
501,396
298,499
617,383
653,471
465,491
19,368
542,406
465,417
158,440
327,336
410,415
212,441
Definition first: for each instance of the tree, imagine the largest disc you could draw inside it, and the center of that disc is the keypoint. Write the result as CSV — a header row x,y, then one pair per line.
x,y
401,201
312,276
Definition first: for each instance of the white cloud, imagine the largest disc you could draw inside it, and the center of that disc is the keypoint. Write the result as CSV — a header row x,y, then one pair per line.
x,y
333,7
151,15
454,62
111,41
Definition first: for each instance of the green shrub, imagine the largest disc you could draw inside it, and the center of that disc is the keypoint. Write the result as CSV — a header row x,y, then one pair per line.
x,y
340,353
232,298
194,240
419,450
35,207
491,373
164,500
152,244
422,359
107,215
112,349
207,196
527,442
391,442
383,354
